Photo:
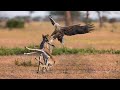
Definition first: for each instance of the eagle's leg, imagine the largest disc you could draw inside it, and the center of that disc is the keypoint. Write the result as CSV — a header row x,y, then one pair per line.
x,y
50,47
39,64
63,42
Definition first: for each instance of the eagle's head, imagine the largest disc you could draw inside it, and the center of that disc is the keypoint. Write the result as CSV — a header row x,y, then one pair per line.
x,y
57,26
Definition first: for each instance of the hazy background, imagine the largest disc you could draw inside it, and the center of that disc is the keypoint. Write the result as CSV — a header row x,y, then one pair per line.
x,y
93,14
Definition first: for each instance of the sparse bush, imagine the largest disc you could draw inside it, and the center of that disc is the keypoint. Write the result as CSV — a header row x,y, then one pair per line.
x,y
57,51
27,63
12,51
112,30
17,62
24,63
112,20
104,18
15,24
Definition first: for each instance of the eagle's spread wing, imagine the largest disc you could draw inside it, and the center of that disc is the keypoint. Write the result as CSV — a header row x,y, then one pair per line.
x,y
71,30
77,29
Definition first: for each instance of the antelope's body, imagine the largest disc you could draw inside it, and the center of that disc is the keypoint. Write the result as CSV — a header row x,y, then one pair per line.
x,y
43,53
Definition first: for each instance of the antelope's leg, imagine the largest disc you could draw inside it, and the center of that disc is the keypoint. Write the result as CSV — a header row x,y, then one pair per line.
x,y
45,67
39,63
63,42
30,53
50,47
38,66
47,64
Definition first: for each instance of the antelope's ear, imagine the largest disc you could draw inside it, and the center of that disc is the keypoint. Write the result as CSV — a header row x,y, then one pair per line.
x,y
42,35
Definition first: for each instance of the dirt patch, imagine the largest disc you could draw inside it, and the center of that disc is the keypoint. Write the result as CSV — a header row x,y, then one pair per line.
x,y
67,67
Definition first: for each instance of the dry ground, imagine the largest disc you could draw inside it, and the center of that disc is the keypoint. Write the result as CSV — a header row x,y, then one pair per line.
x,y
103,66
67,66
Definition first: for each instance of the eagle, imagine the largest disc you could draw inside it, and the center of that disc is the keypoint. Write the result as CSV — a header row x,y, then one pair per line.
x,y
60,31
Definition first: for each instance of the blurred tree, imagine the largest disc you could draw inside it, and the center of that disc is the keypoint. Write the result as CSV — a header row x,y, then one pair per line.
x,y
30,15
68,18
112,21
87,16
104,19
57,13
3,19
37,18
100,18
67,15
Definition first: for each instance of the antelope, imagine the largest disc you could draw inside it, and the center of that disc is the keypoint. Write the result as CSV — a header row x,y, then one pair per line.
x,y
44,52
